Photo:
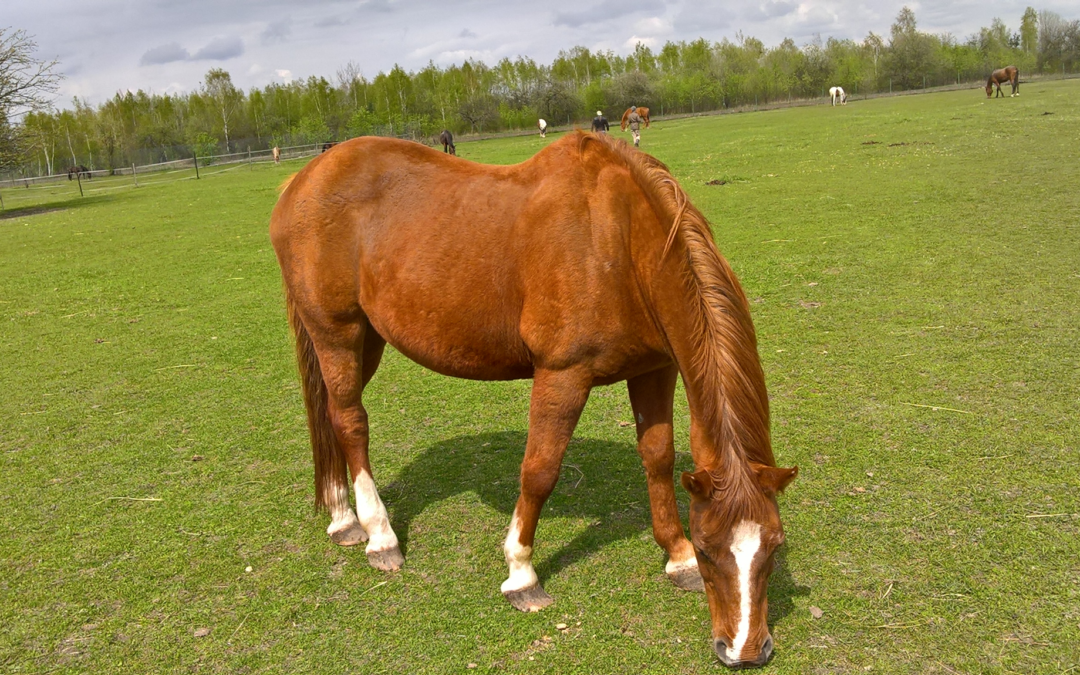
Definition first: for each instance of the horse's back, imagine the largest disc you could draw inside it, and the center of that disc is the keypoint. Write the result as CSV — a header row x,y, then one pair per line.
x,y
472,270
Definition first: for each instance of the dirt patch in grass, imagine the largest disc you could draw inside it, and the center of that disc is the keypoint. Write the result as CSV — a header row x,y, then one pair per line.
x,y
37,210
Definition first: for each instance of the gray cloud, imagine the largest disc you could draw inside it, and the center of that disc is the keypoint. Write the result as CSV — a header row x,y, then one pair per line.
x,y
381,6
607,10
466,33
697,19
164,54
331,21
276,32
220,49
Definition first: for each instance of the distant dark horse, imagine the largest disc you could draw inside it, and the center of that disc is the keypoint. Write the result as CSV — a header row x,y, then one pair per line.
x,y
1007,74
78,171
327,146
447,140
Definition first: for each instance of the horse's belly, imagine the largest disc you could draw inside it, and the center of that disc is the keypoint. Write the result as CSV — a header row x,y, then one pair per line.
x,y
458,343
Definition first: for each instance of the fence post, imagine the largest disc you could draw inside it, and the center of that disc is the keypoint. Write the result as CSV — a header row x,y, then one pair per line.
x,y
134,175
1,201
78,177
195,156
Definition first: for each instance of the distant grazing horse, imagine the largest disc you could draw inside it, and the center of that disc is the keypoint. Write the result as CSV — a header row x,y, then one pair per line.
x,y
78,171
642,112
327,146
447,140
1007,74
542,125
837,94
583,266
276,152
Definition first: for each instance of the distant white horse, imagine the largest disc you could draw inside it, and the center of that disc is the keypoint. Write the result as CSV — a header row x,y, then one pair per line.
x,y
837,94
542,125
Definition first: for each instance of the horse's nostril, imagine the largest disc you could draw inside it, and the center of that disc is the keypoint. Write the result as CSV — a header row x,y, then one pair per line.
x,y
766,649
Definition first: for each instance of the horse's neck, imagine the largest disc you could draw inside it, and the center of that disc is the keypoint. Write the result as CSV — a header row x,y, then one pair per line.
x,y
719,368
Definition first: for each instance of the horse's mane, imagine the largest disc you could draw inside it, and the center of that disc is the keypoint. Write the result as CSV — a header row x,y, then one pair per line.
x,y
736,405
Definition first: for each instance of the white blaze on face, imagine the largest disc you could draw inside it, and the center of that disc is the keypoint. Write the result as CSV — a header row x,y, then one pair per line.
x,y
744,546
519,559
372,515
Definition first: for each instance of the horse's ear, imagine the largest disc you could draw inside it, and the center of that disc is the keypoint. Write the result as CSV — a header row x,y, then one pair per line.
x,y
698,484
774,479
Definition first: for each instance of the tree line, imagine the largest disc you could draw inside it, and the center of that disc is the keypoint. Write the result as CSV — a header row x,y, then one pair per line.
x,y
680,77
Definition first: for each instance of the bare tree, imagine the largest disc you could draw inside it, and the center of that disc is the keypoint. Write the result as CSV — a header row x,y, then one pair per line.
x,y
25,85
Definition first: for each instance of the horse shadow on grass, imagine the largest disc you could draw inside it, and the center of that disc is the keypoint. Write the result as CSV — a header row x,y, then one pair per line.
x,y
602,483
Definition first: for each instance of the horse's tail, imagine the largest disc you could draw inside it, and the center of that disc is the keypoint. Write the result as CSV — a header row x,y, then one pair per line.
x,y
331,470
285,183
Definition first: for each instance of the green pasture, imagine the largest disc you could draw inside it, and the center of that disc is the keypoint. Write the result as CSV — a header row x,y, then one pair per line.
x,y
914,268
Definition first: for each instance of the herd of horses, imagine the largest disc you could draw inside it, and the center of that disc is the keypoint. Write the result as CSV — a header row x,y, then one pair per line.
x,y
584,266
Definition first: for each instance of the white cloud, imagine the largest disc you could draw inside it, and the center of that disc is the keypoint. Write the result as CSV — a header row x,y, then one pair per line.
x,y
650,42
285,75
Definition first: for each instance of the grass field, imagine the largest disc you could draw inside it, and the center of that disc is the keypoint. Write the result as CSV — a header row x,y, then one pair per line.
x,y
914,268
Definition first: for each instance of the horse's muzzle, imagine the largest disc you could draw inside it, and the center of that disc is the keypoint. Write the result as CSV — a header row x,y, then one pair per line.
x,y
720,646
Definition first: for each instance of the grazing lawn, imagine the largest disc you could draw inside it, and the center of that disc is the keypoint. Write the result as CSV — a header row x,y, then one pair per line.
x,y
914,268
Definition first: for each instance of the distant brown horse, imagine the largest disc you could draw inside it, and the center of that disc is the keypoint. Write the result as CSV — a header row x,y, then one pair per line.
x,y
78,171
1007,74
327,146
642,112
583,266
447,140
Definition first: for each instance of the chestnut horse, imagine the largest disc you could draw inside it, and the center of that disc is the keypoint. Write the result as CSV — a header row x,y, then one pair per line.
x,y
642,112
1007,74
583,266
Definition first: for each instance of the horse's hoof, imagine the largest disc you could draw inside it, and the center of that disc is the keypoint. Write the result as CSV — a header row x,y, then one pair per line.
x,y
532,599
389,560
350,535
688,579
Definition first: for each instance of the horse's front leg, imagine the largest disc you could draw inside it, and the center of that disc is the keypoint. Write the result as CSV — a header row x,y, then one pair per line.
x,y
652,396
557,400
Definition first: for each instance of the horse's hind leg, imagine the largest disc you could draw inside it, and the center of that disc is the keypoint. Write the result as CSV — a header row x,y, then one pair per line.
x,y
348,356
557,400
651,396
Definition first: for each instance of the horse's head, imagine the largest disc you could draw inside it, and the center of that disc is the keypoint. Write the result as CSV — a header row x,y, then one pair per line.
x,y
736,530
989,88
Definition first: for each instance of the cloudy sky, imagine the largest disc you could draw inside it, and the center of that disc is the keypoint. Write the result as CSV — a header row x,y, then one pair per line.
x,y
105,46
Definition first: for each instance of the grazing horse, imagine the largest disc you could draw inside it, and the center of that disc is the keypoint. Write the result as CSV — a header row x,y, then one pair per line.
x,y
837,94
1007,74
642,112
542,125
78,171
276,152
583,266
447,140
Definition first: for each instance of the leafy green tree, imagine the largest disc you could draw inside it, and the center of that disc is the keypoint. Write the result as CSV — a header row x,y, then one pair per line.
x,y
1029,31
225,98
